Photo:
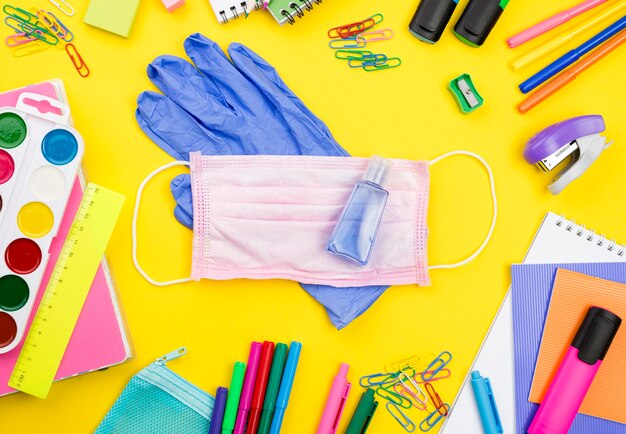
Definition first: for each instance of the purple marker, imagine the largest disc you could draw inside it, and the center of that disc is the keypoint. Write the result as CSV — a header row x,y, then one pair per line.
x,y
248,388
578,369
215,426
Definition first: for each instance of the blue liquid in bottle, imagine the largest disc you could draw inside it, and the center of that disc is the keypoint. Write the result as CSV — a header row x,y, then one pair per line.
x,y
355,233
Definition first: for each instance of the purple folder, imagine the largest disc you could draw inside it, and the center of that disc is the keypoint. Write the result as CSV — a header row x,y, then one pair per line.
x,y
531,289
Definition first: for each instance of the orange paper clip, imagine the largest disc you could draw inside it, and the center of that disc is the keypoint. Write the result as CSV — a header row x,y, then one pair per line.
x,y
435,399
77,60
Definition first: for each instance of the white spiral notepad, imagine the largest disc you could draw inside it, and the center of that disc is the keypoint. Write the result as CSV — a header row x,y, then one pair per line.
x,y
228,10
558,240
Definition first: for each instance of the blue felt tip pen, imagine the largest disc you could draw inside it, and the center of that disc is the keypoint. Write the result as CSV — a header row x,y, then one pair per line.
x,y
572,56
285,386
486,404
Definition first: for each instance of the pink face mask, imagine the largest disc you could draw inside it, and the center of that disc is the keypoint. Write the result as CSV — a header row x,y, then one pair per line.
x,y
270,217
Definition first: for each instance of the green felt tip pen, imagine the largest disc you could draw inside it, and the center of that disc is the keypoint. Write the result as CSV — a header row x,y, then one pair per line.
x,y
363,414
234,393
273,385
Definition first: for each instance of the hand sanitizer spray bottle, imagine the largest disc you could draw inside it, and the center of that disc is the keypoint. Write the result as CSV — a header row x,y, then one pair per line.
x,y
355,232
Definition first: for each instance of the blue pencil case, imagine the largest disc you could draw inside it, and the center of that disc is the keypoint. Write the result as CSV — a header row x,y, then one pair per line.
x,y
159,401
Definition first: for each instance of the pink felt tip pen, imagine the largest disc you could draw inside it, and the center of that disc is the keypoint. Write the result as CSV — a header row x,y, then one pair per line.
x,y
336,402
578,369
248,388
552,22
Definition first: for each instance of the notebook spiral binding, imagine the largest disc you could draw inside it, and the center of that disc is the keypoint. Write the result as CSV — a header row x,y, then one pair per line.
x,y
232,13
591,236
297,9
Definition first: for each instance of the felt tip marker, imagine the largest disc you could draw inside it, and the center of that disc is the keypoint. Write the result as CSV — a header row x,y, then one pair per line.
x,y
363,414
273,384
285,387
247,389
232,403
215,426
336,402
576,372
260,386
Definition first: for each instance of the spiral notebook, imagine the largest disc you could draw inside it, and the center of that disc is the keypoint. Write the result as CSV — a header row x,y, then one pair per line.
x,y
228,10
558,240
286,11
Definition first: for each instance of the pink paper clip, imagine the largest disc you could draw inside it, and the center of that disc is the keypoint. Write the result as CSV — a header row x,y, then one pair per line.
x,y
19,39
375,35
440,375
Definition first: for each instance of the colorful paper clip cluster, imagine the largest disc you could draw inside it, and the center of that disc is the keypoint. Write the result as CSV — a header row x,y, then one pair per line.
x,y
350,39
407,384
38,30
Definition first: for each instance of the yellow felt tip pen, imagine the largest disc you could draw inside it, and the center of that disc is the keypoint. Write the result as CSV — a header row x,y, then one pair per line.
x,y
564,37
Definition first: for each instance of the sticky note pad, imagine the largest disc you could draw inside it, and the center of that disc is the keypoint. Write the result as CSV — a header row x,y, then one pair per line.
x,y
172,5
115,16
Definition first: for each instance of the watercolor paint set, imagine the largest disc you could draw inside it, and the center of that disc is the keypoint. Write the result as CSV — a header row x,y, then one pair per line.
x,y
40,155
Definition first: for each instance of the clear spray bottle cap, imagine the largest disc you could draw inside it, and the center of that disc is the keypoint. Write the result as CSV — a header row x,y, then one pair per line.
x,y
377,169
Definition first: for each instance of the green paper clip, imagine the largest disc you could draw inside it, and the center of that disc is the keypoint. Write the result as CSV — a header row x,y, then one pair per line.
x,y
391,62
465,94
378,18
353,54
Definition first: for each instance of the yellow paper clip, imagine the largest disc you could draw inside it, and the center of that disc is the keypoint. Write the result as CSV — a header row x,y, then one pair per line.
x,y
433,419
437,365
400,417
30,48
77,60
414,362
64,7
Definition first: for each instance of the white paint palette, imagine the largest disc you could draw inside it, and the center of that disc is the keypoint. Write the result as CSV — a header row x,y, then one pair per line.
x,y
39,158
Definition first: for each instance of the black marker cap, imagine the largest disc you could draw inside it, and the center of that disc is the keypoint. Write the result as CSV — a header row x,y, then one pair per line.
x,y
431,19
595,334
478,19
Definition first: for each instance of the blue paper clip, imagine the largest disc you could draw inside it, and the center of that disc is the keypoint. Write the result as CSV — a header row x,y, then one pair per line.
x,y
436,365
378,59
346,43
430,421
377,379
400,417
394,397
68,33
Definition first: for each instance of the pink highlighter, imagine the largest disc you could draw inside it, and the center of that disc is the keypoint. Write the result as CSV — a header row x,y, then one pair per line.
x,y
578,369
336,401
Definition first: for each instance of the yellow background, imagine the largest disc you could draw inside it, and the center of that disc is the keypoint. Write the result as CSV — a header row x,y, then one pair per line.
x,y
404,113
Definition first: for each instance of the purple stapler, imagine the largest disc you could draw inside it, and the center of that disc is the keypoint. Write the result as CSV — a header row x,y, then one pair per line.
x,y
577,139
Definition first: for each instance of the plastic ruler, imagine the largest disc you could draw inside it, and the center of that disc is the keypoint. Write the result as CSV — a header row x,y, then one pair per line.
x,y
66,292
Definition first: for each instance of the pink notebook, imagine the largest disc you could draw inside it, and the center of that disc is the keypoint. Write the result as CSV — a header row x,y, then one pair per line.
x,y
99,339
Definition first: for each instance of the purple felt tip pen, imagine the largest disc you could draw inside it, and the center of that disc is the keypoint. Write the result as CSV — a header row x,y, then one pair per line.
x,y
578,369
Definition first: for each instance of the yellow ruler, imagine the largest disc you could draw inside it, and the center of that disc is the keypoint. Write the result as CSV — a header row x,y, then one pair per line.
x,y
66,292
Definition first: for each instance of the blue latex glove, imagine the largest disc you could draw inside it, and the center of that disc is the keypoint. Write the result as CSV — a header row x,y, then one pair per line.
x,y
238,107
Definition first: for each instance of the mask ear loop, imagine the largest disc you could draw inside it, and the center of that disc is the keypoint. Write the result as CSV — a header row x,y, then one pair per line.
x,y
134,226
493,198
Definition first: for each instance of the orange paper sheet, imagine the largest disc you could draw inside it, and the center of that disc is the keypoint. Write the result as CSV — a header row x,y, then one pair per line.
x,y
572,295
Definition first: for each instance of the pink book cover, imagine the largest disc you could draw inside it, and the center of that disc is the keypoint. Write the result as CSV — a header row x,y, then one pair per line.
x,y
99,339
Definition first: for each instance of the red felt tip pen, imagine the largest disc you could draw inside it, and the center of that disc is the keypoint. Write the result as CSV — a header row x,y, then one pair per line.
x,y
265,364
